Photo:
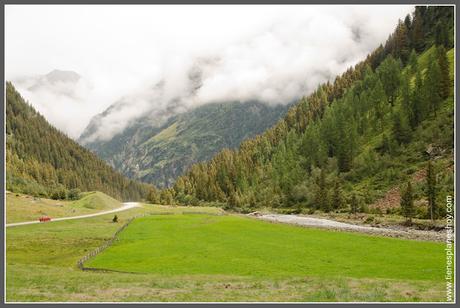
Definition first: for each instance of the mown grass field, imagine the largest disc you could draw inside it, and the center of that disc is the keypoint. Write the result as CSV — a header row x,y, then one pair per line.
x,y
233,245
20,207
41,262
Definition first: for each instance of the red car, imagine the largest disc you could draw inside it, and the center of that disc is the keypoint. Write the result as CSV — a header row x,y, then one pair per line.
x,y
44,219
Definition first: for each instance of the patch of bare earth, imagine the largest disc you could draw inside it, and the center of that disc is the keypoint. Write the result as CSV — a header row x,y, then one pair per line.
x,y
392,198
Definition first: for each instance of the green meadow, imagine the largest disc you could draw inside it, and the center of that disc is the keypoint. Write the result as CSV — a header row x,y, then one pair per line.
x,y
195,257
234,245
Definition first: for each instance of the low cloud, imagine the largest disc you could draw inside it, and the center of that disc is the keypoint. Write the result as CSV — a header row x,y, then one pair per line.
x,y
161,60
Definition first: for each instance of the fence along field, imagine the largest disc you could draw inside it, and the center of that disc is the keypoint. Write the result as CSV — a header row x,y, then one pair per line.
x,y
38,272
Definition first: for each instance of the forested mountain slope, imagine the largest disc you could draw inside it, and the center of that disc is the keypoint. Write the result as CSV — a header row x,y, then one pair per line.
x,y
158,154
42,161
347,143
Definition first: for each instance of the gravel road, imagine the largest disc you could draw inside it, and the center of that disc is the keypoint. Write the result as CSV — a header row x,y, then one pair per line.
x,y
126,206
335,225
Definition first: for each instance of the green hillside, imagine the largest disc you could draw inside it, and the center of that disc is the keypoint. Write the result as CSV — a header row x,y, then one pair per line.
x,y
159,155
21,207
344,146
42,161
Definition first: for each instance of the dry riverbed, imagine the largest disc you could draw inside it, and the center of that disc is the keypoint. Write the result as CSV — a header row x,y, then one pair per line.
x,y
308,221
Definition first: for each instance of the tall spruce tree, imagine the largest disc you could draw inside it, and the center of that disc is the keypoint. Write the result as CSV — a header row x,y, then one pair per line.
x,y
405,94
441,36
431,190
321,196
419,102
417,35
401,46
337,197
407,203
413,62
433,85
401,129
445,83
353,204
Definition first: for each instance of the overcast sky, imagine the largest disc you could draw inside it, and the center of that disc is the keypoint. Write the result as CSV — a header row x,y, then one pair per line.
x,y
274,54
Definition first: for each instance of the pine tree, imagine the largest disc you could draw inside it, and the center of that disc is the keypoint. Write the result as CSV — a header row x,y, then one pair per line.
x,y
441,36
433,85
413,62
152,196
321,198
346,143
386,146
401,47
407,203
406,98
379,101
445,83
354,204
401,129
408,22
431,190
417,31
389,73
419,102
337,198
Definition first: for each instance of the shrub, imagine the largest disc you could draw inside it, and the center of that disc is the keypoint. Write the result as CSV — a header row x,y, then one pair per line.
x,y
58,193
369,219
364,208
74,194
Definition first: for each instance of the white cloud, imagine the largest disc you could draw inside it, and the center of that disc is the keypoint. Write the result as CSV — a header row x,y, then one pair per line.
x,y
270,53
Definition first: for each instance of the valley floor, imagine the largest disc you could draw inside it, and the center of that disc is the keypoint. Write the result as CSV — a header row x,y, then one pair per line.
x,y
41,266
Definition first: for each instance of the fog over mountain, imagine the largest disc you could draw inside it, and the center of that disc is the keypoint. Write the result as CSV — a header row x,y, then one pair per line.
x,y
169,59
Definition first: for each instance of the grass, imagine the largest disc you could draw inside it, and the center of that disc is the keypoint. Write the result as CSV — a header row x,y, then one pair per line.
x,y
166,134
20,207
41,266
233,245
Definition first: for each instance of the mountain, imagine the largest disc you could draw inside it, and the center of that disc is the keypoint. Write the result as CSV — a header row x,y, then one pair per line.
x,y
41,160
158,149
57,81
379,125
61,76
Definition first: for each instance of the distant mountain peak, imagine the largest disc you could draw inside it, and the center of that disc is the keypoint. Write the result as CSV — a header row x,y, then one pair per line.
x,y
62,76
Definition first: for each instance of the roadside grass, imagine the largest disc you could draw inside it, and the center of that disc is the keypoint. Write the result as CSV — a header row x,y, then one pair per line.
x,y
20,207
41,266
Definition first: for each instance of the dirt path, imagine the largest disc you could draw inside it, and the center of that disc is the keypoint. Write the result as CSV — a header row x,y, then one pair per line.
x,y
335,225
126,206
